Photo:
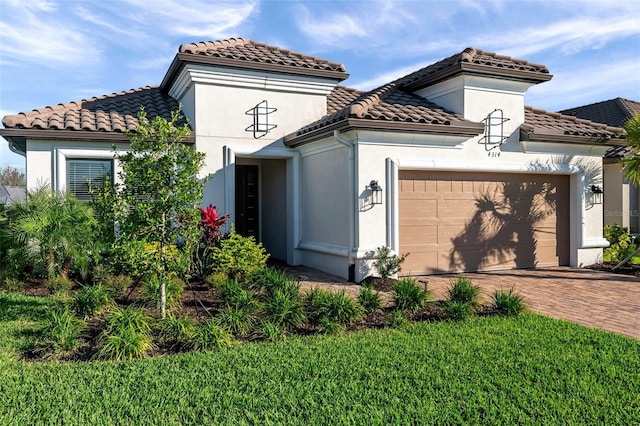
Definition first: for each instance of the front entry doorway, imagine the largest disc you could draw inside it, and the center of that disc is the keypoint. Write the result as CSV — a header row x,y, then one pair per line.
x,y
247,203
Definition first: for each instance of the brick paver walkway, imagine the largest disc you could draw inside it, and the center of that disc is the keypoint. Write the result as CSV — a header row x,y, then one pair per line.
x,y
596,299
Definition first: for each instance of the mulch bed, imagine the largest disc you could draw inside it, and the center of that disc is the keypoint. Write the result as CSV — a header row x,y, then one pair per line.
x,y
627,269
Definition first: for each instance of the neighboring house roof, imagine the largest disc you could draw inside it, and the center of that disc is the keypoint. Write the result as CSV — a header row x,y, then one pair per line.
x,y
553,126
10,194
384,108
248,54
105,117
614,112
475,61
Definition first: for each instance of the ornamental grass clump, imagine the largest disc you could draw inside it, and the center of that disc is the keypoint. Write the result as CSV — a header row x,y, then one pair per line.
x,y
239,320
408,295
508,303
176,331
322,306
211,336
62,332
284,307
126,334
458,311
462,290
369,299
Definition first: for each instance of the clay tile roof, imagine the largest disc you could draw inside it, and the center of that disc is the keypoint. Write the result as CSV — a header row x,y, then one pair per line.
x,y
614,112
477,61
108,114
248,54
544,125
386,107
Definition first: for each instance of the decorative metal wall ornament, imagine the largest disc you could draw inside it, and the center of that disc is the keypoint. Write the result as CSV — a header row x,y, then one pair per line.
x,y
261,125
493,130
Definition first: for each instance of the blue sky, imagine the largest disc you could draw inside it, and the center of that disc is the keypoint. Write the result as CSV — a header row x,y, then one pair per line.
x,y
55,51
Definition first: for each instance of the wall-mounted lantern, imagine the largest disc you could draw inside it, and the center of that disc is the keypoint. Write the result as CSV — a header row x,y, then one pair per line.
x,y
376,192
596,194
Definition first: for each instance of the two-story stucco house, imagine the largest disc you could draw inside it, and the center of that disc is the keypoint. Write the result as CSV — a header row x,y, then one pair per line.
x,y
446,163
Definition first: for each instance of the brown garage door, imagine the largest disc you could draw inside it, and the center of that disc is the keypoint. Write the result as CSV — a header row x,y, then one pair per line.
x,y
454,222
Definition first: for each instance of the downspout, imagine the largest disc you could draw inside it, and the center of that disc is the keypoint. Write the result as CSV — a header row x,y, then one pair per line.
x,y
353,200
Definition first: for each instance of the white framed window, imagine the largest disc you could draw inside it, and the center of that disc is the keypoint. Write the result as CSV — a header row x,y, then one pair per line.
x,y
83,173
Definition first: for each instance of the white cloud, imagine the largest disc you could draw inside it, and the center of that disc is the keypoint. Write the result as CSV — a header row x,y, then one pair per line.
x,y
201,18
569,35
576,86
36,33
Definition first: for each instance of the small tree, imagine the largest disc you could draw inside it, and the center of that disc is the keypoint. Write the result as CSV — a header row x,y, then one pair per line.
x,y
157,198
12,176
387,264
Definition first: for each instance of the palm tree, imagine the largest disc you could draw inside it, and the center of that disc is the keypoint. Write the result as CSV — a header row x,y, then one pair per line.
x,y
631,164
53,232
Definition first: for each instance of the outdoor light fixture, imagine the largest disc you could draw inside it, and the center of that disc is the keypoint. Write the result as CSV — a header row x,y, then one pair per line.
x,y
376,192
596,194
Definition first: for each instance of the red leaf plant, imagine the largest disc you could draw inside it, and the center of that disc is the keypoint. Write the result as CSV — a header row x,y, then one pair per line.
x,y
211,223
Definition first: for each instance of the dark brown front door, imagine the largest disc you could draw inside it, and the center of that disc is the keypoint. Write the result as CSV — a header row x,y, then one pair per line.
x,y
247,201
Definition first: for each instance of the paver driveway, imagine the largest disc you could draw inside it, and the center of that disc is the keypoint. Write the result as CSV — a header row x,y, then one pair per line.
x,y
592,298
596,299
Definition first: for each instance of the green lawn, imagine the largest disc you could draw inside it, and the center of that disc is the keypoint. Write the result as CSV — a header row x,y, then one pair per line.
x,y
524,370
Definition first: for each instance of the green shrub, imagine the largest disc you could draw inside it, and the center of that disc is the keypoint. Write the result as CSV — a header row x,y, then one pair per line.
x,y
284,307
333,307
237,320
216,279
62,331
238,257
211,336
622,244
387,264
117,285
177,331
126,334
174,289
508,303
369,299
462,290
458,311
59,285
407,295
89,300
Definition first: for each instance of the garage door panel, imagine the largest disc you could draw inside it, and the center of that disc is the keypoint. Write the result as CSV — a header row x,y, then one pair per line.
x,y
482,221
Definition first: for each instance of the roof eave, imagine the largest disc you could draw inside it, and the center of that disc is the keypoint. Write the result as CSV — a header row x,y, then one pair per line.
x,y
467,130
534,77
182,59
16,135
540,135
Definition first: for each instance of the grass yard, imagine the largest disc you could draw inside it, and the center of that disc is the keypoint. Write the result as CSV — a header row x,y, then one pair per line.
x,y
521,370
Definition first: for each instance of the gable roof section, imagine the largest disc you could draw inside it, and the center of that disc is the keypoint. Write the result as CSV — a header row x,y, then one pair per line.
x,y
10,194
385,108
541,125
475,61
104,118
248,54
614,112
